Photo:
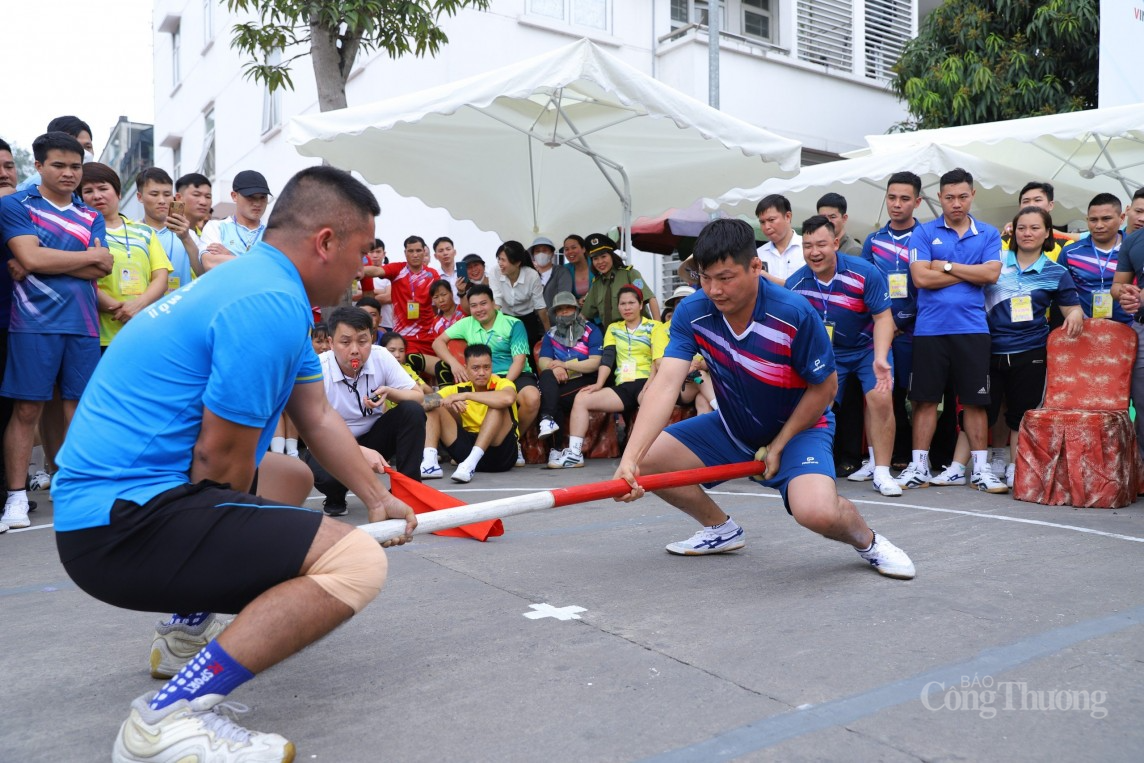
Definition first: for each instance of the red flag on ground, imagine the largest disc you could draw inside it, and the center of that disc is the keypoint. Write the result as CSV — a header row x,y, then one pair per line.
x,y
422,498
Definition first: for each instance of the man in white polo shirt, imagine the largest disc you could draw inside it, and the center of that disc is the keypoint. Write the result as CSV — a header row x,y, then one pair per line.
x,y
380,403
223,240
782,254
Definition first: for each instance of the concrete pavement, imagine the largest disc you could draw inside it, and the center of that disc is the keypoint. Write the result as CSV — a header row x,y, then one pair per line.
x,y
791,649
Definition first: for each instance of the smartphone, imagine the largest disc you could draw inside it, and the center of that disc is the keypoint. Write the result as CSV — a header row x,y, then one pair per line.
x,y
179,208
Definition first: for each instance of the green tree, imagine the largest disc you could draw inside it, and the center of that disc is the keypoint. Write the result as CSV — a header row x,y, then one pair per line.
x,y
25,165
985,61
332,33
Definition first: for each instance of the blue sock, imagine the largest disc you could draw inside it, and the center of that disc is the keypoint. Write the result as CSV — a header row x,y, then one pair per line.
x,y
211,671
190,620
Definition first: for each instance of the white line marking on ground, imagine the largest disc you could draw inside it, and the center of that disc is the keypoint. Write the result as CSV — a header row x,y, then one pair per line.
x,y
1001,517
48,526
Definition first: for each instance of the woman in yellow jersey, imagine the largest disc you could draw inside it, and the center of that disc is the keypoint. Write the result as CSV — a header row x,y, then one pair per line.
x,y
627,355
139,275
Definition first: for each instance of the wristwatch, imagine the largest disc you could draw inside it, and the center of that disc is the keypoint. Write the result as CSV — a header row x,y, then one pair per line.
x,y
948,267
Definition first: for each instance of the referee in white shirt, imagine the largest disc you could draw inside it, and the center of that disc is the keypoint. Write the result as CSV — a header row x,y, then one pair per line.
x,y
379,401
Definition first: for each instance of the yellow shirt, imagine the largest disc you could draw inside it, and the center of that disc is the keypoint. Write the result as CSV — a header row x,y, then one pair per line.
x,y
633,349
137,253
474,413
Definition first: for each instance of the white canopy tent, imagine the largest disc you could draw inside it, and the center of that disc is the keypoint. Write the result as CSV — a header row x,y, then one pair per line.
x,y
547,145
1099,150
862,180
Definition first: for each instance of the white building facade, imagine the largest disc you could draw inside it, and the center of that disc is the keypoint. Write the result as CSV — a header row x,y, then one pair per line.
x,y
813,70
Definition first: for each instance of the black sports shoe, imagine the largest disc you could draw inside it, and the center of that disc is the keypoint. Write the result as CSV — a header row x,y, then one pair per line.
x,y
335,508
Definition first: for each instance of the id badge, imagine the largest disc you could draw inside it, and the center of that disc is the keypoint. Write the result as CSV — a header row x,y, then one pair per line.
x,y
899,287
1021,308
173,283
830,330
627,371
412,310
1101,304
130,280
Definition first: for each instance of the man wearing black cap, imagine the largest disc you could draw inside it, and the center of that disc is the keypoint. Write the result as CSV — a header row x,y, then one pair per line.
x,y
470,272
223,240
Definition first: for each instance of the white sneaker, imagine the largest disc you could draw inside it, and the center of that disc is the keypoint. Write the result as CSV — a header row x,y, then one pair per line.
x,y
710,541
914,476
888,559
1010,473
864,473
571,459
194,730
431,471
555,459
16,513
462,473
986,482
888,488
519,457
954,474
3,528
548,427
174,645
997,461
41,480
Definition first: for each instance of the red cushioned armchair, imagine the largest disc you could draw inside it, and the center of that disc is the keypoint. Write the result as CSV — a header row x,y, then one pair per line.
x,y
1079,449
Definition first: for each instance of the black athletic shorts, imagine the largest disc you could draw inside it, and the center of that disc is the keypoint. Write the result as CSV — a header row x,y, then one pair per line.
x,y
526,379
498,458
629,393
1019,380
962,357
194,548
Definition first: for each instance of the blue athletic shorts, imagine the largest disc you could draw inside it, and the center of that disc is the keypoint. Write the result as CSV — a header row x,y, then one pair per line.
x,y
811,451
37,362
860,365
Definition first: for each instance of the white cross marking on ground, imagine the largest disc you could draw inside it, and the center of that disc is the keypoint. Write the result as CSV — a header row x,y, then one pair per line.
x,y
547,610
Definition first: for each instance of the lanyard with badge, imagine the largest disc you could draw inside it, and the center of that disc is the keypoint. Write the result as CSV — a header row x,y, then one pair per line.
x,y
1021,304
254,236
899,281
413,307
1102,300
128,274
826,306
353,388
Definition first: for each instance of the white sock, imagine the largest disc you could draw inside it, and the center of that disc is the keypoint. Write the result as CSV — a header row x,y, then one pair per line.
x,y
15,496
872,456
471,461
292,446
728,524
575,443
921,458
429,458
37,462
882,473
960,468
980,460
277,444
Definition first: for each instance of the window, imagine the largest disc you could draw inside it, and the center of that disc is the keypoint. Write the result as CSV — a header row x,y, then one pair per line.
x,y
176,43
208,21
758,20
594,14
272,102
695,12
207,161
889,25
826,33
177,160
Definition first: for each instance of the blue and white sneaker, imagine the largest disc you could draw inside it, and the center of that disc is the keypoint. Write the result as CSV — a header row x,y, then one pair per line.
x,y
548,426
888,559
431,471
711,540
914,476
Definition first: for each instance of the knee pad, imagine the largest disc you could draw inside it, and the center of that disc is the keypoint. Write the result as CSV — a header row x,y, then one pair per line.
x,y
352,570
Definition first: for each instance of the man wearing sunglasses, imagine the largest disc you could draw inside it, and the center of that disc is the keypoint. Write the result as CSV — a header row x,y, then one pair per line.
x,y
373,393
